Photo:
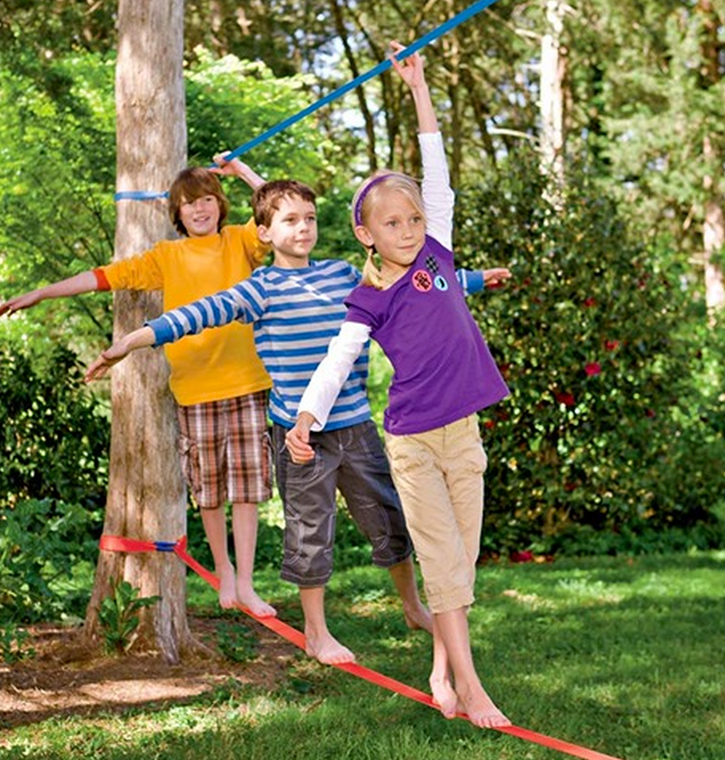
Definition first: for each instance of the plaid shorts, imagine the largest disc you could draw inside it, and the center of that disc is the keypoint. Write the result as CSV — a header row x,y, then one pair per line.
x,y
225,450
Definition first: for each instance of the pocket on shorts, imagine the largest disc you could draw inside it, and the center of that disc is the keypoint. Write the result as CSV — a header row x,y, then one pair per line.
x,y
475,456
405,454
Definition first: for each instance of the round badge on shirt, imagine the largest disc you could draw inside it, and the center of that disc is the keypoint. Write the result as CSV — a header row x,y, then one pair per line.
x,y
422,281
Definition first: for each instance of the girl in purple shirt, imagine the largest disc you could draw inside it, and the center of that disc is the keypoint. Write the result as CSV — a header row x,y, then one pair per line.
x,y
412,305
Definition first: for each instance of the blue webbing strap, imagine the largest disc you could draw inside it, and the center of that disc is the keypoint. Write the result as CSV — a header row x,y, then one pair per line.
x,y
434,34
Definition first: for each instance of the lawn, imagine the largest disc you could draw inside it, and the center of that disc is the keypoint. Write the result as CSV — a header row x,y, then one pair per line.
x,y
625,656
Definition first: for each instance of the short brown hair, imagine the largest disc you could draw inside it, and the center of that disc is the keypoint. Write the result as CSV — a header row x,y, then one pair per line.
x,y
266,198
190,184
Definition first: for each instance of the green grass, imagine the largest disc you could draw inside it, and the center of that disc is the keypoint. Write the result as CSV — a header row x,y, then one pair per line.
x,y
623,656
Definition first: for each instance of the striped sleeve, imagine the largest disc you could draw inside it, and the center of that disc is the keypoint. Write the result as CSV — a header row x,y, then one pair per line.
x,y
244,302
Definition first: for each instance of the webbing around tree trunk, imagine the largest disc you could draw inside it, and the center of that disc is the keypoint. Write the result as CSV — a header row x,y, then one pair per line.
x,y
122,544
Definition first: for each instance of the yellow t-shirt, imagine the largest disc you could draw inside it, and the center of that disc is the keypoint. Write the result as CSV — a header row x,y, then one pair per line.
x,y
219,363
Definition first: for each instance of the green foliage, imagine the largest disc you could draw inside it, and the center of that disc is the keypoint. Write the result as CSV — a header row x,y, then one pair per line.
x,y
54,443
230,101
606,426
236,641
12,644
119,618
53,473
57,164
41,543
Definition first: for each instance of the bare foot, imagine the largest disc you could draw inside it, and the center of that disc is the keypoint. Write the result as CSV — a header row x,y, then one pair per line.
x,y
480,709
227,588
327,649
247,597
418,617
444,697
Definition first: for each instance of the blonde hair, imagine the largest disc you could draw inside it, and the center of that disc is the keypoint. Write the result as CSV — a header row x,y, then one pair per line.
x,y
364,203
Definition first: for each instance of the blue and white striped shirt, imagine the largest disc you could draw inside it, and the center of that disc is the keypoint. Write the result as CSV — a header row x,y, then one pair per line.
x,y
295,313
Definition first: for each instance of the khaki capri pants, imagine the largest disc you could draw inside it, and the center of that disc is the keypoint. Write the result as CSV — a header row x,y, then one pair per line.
x,y
439,478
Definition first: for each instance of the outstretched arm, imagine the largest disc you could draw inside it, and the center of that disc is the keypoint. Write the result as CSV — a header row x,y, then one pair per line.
x,y
141,338
476,280
73,286
412,72
236,168
438,197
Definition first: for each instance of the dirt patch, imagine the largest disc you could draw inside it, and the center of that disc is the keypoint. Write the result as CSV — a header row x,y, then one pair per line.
x,y
66,677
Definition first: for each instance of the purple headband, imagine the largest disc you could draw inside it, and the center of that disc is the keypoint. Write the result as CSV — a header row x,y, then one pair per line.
x,y
357,215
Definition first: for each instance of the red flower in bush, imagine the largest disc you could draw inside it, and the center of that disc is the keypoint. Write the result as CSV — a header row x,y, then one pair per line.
x,y
589,302
593,368
610,345
490,424
515,556
563,397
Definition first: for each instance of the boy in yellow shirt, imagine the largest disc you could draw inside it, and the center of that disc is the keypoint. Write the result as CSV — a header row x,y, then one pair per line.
x,y
217,380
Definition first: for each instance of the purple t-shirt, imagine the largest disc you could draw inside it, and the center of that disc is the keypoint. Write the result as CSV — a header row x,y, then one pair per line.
x,y
443,369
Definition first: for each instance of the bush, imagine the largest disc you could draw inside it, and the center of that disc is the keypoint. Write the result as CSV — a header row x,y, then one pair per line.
x,y
54,441
53,474
601,342
42,543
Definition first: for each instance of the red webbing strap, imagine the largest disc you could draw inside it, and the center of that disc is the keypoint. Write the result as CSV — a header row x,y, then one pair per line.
x,y
121,544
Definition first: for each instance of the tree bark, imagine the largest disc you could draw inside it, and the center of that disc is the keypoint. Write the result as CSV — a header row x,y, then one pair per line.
x,y
146,494
714,218
713,235
553,71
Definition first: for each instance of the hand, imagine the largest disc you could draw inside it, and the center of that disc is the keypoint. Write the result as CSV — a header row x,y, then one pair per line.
x,y
233,168
410,68
298,440
99,368
20,302
494,278
141,338
236,168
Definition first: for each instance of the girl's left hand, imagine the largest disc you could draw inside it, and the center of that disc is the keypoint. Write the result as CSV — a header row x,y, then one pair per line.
x,y
410,68
494,278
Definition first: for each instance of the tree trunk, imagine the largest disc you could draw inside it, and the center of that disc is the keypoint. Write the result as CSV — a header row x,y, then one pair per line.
x,y
713,246
146,495
714,219
368,120
553,71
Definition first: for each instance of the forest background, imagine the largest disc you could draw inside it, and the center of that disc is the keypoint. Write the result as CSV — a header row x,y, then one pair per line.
x,y
610,216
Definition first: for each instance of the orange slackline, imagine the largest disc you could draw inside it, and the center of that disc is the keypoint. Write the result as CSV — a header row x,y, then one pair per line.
x,y
121,544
